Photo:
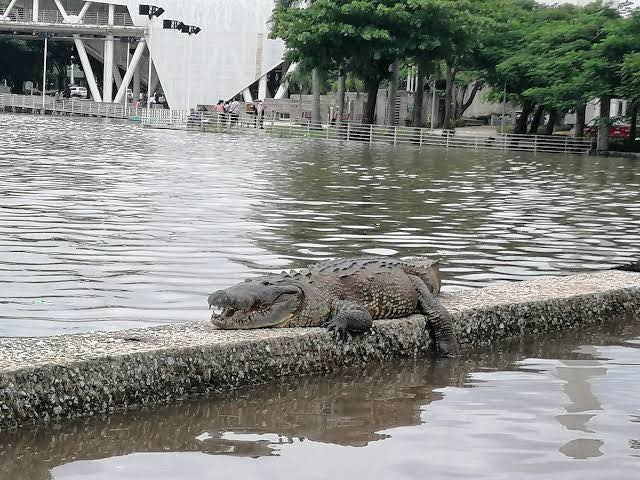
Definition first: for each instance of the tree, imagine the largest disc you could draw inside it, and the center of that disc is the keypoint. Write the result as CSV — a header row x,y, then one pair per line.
x,y
362,37
21,60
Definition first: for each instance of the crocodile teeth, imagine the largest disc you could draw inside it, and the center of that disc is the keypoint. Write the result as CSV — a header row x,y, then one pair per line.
x,y
217,311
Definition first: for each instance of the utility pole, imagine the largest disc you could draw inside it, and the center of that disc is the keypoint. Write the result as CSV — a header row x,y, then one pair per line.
x,y
504,108
433,104
44,69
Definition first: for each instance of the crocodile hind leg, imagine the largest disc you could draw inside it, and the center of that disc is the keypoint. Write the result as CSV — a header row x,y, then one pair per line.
x,y
437,315
349,317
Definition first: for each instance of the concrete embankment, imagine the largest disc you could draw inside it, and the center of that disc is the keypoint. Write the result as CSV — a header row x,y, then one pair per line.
x,y
76,375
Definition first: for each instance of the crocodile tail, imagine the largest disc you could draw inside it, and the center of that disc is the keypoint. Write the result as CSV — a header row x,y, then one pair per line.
x,y
629,267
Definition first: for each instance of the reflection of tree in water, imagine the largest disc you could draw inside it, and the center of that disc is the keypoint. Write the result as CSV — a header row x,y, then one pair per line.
x,y
337,200
318,197
349,407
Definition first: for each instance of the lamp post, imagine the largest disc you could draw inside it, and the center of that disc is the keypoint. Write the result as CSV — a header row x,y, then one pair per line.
x,y
433,105
151,11
190,30
44,68
504,108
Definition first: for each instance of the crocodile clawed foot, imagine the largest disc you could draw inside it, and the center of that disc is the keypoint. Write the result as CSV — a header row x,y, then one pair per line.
x,y
338,329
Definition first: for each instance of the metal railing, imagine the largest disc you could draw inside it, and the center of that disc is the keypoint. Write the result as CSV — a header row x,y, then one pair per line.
x,y
352,131
75,106
54,16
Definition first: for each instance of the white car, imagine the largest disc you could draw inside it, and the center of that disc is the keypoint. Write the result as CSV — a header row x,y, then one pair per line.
x,y
78,91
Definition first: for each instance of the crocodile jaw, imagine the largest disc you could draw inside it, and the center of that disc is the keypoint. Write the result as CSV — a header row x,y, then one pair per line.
x,y
249,305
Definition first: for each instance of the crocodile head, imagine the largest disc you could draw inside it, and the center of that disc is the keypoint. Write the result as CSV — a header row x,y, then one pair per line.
x,y
256,303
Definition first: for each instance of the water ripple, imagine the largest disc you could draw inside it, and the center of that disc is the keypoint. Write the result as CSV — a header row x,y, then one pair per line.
x,y
107,225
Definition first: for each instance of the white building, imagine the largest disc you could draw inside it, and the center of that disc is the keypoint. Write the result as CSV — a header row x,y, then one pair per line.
x,y
230,53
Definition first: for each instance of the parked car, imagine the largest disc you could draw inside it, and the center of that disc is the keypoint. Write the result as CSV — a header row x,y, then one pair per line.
x,y
77,91
619,130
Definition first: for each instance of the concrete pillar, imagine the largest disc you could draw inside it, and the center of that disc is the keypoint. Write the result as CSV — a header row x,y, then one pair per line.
x,y
246,95
136,83
133,66
7,11
107,72
262,87
155,79
35,7
61,9
284,83
83,10
86,67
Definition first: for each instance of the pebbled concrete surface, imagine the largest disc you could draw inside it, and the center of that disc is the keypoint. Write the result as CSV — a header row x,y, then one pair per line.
x,y
85,374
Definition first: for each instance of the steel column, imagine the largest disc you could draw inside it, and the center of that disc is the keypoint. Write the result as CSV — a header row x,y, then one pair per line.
x,y
35,7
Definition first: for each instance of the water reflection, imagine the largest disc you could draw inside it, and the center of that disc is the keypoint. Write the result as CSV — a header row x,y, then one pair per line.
x,y
583,404
498,407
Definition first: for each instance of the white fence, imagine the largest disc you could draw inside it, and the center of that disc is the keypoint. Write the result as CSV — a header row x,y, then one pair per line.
x,y
351,131
74,106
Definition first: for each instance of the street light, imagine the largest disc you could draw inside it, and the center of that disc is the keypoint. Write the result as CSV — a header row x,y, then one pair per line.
x,y
172,25
190,29
181,26
46,36
150,10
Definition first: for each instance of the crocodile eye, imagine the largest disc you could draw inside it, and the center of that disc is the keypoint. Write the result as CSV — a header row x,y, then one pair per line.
x,y
266,283
230,312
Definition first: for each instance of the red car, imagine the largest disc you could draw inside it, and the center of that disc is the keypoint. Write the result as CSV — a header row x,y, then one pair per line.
x,y
618,130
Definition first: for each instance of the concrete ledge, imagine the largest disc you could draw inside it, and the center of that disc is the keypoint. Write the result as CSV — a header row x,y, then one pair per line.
x,y
76,375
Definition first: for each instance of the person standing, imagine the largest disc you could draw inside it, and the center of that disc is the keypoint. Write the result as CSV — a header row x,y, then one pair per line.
x,y
219,107
259,114
234,110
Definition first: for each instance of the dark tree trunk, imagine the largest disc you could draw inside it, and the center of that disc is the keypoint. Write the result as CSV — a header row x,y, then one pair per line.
x,y
581,112
633,127
340,99
392,93
535,121
521,124
315,90
372,96
551,123
448,98
603,124
464,105
418,97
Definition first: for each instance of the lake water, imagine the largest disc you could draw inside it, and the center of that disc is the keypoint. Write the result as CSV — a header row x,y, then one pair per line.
x,y
106,225
558,408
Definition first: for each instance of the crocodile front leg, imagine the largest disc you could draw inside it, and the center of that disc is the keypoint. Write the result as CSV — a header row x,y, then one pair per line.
x,y
437,315
349,317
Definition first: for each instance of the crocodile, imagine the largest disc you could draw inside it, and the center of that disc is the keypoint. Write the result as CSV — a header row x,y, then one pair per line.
x,y
345,295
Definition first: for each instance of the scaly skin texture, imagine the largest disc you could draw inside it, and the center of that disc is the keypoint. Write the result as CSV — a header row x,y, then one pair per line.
x,y
345,295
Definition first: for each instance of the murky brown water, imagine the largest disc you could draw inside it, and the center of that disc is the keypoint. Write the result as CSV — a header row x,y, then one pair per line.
x,y
565,408
106,225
